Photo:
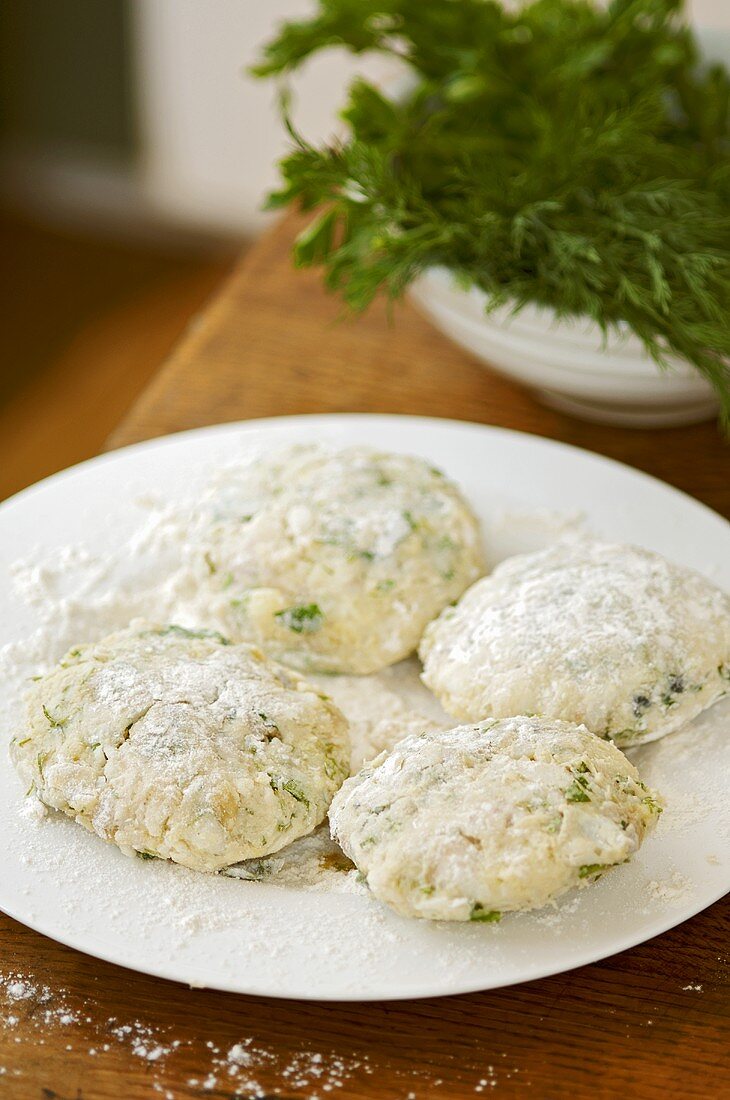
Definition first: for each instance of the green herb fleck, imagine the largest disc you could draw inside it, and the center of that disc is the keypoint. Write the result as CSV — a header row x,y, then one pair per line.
x,y
484,916
677,685
256,869
640,704
588,870
295,791
303,618
268,722
54,723
144,854
575,793
184,632
332,767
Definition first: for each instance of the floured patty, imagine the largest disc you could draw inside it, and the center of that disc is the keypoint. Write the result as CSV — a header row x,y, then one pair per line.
x,y
612,636
469,823
335,561
175,744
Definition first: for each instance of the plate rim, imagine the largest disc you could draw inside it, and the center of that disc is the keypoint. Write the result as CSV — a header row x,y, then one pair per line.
x,y
425,992
221,427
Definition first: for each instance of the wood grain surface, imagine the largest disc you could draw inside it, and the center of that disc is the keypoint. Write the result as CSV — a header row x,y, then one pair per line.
x,y
650,1022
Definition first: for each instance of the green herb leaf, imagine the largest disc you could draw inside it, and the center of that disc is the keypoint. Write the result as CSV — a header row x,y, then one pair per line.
x,y
295,791
268,722
588,870
484,916
576,793
55,723
302,619
184,632
559,153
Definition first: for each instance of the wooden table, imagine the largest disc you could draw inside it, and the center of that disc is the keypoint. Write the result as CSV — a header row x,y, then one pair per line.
x,y
651,1022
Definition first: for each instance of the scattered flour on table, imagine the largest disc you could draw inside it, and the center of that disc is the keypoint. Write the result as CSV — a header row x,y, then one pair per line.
x,y
33,1013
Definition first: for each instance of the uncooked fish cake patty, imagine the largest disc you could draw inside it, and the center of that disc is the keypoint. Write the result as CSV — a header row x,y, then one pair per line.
x,y
175,744
615,637
335,561
469,823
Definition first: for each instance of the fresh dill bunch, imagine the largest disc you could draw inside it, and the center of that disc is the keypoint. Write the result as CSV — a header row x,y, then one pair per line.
x,y
562,154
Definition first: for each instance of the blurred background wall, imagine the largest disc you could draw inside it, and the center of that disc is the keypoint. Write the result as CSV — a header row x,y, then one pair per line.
x,y
135,152
137,114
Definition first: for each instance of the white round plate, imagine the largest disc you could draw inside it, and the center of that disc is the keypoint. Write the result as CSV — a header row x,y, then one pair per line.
x,y
260,938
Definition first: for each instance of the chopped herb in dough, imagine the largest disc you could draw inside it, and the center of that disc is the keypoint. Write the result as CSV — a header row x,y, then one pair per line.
x,y
302,619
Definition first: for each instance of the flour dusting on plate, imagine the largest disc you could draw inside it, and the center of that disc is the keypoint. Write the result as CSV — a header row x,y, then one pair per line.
x,y
245,929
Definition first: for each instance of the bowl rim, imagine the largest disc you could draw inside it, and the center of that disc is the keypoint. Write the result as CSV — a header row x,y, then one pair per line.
x,y
436,292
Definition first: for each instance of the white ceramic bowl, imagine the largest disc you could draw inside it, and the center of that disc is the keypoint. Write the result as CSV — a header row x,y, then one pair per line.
x,y
568,364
